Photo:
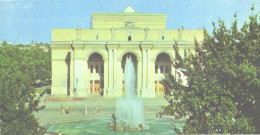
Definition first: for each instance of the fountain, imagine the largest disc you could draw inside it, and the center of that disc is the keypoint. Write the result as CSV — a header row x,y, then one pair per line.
x,y
128,119
129,109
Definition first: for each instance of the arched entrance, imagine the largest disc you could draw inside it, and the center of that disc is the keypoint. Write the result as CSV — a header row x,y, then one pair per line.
x,y
134,59
163,66
96,74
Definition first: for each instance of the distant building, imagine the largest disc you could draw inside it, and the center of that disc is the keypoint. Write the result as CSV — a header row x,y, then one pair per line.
x,y
91,61
33,44
44,48
39,46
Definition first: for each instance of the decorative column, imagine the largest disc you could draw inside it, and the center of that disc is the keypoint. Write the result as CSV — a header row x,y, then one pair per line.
x,y
144,70
115,69
152,78
119,76
139,76
105,77
86,77
148,72
79,78
110,69
72,77
148,75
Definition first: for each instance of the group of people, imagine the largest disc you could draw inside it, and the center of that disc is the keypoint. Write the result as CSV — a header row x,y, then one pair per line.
x,y
67,109
98,110
86,110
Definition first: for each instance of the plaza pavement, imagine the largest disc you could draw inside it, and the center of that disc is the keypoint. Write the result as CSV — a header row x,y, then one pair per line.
x,y
52,112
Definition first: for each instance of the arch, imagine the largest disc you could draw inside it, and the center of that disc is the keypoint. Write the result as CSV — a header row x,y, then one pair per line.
x,y
137,55
163,57
94,56
133,57
170,54
104,57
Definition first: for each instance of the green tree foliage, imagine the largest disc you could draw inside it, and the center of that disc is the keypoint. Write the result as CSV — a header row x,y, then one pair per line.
x,y
32,61
37,64
222,91
20,69
5,43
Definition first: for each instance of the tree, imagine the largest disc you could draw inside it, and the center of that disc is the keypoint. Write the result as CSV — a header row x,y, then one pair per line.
x,y
5,44
223,81
38,64
18,101
34,62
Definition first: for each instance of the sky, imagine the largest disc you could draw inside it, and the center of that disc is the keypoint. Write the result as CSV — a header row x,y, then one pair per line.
x,y
22,21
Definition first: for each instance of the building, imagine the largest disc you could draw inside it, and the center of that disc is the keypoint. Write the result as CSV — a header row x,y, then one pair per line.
x,y
91,61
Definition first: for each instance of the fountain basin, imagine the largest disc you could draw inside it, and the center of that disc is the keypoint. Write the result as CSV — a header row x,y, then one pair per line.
x,y
102,126
126,128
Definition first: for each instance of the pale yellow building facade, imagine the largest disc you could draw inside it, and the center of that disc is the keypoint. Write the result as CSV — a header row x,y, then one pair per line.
x,y
91,61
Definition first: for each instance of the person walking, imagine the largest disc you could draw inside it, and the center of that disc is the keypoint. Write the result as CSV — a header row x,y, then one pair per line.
x,y
61,109
86,109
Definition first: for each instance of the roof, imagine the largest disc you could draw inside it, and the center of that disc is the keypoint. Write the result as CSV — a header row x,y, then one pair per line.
x,y
127,11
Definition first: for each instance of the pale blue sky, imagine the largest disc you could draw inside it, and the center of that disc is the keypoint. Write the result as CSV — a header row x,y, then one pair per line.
x,y
22,21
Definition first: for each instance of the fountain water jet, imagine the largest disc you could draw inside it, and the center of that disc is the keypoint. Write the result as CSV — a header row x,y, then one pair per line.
x,y
129,109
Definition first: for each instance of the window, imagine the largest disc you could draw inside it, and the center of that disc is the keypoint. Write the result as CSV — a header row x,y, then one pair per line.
x,y
96,68
96,37
161,68
156,69
129,38
91,68
162,37
102,68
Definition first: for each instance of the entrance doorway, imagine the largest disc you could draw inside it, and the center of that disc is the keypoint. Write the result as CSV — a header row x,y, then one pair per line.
x,y
96,74
95,87
163,66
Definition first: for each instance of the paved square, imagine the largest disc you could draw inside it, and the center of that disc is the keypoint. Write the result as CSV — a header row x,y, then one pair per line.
x,y
52,112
